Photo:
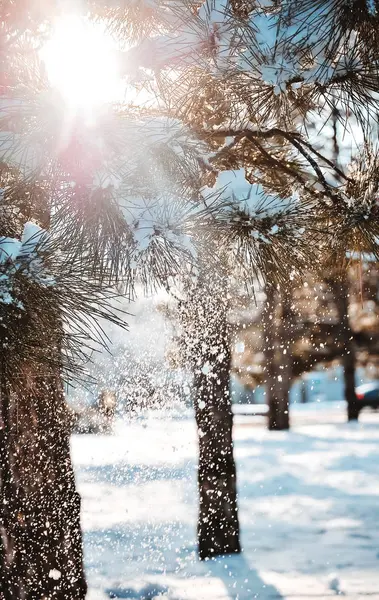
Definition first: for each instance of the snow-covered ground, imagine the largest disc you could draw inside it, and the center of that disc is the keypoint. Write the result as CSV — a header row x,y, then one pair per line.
x,y
309,512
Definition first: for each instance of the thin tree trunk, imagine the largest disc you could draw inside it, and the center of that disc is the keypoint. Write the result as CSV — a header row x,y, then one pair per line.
x,y
284,360
341,295
41,550
269,330
303,392
340,286
218,526
278,358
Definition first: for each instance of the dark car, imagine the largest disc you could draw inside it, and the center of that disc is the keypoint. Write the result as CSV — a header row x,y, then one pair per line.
x,y
368,395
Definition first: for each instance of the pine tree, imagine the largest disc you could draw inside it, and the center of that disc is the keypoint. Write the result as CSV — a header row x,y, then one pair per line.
x,y
248,80
81,210
45,287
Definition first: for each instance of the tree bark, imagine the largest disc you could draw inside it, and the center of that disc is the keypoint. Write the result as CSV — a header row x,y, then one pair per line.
x,y
41,554
40,543
340,287
345,337
218,526
278,340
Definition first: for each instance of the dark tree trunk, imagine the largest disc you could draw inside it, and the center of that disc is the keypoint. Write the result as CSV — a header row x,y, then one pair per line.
x,y
218,527
303,392
345,338
41,554
40,543
278,339
269,314
340,286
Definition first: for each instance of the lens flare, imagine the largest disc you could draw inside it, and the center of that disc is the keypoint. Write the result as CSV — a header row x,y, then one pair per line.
x,y
81,61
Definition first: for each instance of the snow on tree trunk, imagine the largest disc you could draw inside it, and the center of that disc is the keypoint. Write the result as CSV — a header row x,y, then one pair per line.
x,y
40,543
218,526
345,338
278,340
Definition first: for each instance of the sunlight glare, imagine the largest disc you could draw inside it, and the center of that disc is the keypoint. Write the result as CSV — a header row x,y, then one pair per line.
x,y
81,62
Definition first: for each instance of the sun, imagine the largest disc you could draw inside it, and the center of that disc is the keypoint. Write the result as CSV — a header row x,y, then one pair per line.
x,y
81,60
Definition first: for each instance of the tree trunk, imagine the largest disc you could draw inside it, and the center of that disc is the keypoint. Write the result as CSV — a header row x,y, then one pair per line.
x,y
340,287
41,555
218,527
341,295
278,341
303,392
40,544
